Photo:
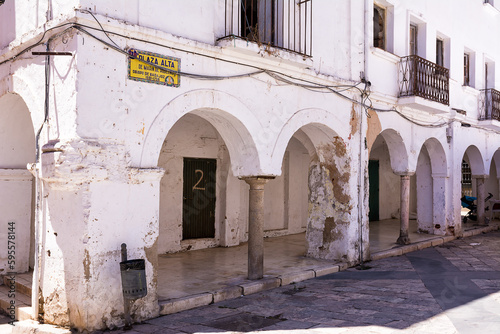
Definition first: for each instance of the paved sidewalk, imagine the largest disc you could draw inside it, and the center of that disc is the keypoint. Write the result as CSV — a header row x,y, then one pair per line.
x,y
451,288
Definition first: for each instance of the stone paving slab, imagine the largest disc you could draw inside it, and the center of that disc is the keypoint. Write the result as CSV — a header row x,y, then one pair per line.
x,y
450,288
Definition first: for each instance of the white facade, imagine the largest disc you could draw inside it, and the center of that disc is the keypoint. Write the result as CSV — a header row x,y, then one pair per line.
x,y
112,151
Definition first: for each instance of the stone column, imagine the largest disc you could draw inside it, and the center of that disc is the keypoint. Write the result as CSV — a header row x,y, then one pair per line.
x,y
256,226
404,238
480,198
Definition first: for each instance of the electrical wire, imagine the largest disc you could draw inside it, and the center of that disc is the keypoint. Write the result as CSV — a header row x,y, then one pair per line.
x,y
365,101
40,42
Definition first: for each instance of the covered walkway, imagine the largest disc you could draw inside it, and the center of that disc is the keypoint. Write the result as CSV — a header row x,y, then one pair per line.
x,y
207,271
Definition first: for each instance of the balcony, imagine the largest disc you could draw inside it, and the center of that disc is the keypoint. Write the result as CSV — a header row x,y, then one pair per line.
x,y
489,106
421,78
283,24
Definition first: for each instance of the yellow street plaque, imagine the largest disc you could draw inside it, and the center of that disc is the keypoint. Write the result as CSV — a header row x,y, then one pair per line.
x,y
151,67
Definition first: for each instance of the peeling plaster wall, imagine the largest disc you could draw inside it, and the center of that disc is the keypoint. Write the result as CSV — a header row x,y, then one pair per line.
x,y
332,228
89,212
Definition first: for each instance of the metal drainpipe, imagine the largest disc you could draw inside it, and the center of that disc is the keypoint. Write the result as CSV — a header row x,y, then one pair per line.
x,y
39,204
38,185
361,139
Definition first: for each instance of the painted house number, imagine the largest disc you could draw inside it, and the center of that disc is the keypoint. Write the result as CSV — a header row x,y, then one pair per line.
x,y
195,187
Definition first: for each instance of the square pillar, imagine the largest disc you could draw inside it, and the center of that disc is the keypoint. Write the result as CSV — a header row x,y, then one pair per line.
x,y
439,204
481,190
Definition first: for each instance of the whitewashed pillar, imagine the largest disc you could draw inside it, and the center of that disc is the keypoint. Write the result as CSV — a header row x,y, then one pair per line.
x,y
480,198
439,203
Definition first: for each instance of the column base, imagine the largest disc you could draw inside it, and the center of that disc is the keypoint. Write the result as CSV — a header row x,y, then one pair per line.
x,y
403,240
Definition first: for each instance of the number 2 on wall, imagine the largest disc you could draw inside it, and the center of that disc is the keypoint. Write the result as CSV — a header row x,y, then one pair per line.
x,y
195,187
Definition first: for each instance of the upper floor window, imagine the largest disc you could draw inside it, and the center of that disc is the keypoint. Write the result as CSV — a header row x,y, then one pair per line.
x,y
413,39
467,70
379,27
439,52
489,74
284,24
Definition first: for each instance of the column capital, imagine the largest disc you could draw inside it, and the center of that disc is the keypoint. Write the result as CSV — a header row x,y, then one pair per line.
x,y
256,181
405,173
480,176
439,175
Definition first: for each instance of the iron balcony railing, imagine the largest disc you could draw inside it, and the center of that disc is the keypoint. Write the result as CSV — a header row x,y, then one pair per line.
x,y
285,24
490,105
420,77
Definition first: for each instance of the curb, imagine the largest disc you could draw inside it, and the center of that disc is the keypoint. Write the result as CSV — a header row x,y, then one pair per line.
x,y
244,289
400,250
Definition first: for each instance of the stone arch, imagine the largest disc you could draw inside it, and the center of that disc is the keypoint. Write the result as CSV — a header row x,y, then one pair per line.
x,y
17,138
316,124
229,116
475,160
398,152
438,156
476,185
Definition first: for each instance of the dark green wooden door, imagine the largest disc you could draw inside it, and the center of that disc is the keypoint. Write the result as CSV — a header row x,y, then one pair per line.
x,y
198,210
373,178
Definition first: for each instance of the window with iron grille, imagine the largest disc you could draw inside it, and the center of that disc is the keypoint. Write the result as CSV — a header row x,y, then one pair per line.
x,y
285,24
466,179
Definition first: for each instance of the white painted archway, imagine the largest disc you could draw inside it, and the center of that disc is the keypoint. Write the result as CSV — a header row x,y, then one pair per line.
x,y
17,149
233,120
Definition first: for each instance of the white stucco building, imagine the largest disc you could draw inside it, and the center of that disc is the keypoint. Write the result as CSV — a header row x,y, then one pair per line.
x,y
277,115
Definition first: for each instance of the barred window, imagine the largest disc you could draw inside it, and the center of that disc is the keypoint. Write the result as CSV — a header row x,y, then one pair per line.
x,y
285,24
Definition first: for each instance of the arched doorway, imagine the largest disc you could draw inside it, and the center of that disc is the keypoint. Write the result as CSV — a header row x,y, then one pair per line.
x,y
431,188
17,149
473,184
388,168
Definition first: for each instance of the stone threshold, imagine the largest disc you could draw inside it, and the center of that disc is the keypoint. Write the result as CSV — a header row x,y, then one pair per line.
x,y
171,306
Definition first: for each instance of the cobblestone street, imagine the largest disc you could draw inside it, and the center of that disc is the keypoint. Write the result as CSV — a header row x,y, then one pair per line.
x,y
452,288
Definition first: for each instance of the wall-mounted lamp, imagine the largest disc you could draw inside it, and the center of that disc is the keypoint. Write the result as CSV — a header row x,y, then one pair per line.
x,y
449,133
